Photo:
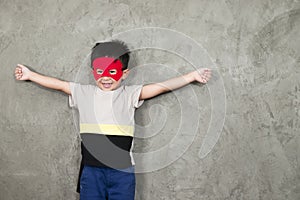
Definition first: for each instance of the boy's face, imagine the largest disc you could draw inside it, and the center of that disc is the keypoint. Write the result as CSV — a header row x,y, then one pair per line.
x,y
108,73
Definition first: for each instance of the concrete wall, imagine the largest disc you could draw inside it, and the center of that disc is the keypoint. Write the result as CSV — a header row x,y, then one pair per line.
x,y
253,48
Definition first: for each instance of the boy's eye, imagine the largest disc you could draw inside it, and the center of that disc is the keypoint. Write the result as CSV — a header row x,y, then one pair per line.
x,y
99,71
113,71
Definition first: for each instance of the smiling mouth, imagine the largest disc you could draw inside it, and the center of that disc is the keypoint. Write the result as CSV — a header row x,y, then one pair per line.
x,y
106,85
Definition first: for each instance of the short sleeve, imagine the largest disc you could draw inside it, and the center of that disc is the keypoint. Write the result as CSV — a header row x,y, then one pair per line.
x,y
73,97
134,95
80,94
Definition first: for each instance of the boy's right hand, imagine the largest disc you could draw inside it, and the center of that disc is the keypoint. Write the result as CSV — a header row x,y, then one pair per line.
x,y
22,73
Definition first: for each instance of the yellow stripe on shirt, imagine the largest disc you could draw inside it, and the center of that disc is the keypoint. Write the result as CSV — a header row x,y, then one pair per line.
x,y
107,129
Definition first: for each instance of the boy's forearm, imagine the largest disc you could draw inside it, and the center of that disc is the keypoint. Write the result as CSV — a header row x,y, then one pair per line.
x,y
177,82
148,91
155,89
46,81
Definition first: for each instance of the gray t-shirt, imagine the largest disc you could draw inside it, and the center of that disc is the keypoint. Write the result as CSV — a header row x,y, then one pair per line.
x,y
105,112
106,120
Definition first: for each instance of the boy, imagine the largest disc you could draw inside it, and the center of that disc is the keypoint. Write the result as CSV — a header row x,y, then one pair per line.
x,y
106,113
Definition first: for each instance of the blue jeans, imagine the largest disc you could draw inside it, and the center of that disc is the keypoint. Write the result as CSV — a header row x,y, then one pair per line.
x,y
101,183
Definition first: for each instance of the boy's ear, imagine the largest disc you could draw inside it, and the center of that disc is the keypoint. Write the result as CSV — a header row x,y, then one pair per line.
x,y
125,73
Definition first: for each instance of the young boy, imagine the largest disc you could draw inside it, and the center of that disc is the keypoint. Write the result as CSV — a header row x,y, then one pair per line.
x,y
106,113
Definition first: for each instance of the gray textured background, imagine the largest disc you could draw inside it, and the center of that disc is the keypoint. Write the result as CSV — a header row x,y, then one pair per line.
x,y
255,46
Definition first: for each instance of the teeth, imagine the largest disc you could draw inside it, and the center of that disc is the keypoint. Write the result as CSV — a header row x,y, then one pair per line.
x,y
106,85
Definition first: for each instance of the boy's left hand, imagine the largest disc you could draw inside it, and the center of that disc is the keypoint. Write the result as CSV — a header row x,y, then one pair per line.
x,y
202,75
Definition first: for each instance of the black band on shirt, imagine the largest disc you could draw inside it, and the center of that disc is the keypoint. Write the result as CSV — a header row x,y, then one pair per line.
x,y
106,150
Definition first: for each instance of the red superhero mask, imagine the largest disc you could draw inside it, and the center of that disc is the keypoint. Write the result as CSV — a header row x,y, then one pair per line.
x,y
107,67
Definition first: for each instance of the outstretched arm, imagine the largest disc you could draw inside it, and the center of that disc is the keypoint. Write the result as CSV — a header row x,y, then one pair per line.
x,y
148,91
23,73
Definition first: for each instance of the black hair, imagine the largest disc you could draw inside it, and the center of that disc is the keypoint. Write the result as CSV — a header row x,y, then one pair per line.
x,y
116,49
